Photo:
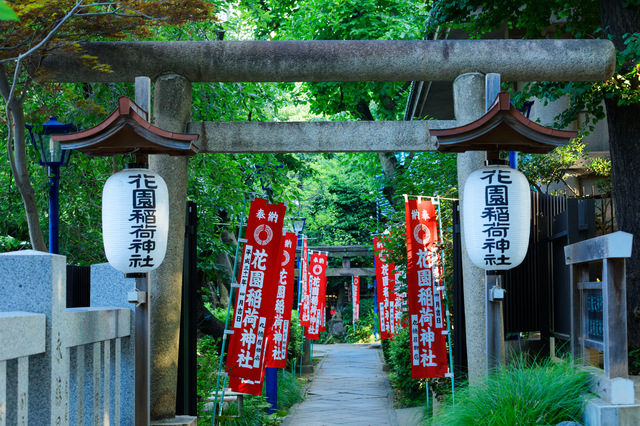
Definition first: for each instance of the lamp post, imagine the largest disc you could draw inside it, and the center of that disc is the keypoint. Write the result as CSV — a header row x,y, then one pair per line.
x,y
127,131
298,227
53,156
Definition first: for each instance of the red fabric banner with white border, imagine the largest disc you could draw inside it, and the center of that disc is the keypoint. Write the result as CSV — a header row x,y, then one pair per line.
x,y
317,293
252,387
399,306
385,290
257,290
428,338
355,292
304,284
277,350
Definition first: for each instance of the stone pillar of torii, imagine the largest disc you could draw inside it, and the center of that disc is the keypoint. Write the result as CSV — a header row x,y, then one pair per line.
x,y
173,66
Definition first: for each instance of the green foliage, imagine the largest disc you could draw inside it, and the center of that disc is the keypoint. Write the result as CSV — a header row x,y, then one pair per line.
x,y
343,20
528,18
430,175
574,18
8,243
543,171
525,393
337,201
363,330
207,375
294,351
399,358
290,391
6,13
634,361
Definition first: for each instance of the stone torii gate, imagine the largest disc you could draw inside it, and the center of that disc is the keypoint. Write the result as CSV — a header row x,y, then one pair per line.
x,y
175,65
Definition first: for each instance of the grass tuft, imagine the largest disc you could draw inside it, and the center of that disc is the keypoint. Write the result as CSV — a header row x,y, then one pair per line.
x,y
525,393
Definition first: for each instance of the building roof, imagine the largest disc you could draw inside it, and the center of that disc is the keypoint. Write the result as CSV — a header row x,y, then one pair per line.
x,y
126,131
502,128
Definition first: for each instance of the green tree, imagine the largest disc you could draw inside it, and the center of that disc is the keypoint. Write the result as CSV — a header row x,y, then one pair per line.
x,y
619,21
46,26
346,20
6,14
337,200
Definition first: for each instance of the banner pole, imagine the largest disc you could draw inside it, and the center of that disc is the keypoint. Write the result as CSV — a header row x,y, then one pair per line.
x,y
429,406
453,389
226,321
375,302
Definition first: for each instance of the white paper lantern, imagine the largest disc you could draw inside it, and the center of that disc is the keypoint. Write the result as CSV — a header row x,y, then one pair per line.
x,y
135,220
496,214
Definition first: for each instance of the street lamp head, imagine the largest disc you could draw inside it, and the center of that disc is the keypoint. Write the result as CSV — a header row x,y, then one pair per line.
x,y
51,154
298,224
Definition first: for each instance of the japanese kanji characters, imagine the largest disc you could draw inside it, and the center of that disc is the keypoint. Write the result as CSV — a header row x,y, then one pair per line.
x,y
386,278
277,347
317,293
259,278
428,346
142,219
355,291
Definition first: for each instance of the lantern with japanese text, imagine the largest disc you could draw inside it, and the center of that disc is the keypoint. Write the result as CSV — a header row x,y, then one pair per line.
x,y
496,214
135,220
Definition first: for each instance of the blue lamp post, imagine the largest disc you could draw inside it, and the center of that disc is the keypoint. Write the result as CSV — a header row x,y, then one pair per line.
x,y
53,156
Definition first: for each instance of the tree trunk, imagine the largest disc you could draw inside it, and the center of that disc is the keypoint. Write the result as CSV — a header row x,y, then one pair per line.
x,y
15,118
624,141
207,323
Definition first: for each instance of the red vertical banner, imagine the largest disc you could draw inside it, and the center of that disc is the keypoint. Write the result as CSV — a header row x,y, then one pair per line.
x,y
317,293
385,276
277,349
399,304
428,339
355,291
304,284
257,290
252,387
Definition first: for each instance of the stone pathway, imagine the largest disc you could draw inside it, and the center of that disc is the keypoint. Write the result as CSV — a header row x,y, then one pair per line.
x,y
348,388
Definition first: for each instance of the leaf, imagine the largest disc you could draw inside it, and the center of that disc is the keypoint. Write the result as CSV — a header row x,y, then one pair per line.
x,y
6,13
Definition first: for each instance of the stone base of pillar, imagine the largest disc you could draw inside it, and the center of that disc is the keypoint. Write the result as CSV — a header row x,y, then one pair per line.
x,y
177,421
598,412
307,369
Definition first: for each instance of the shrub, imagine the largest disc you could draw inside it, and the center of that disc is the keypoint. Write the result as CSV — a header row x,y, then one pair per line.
x,y
208,364
294,351
290,391
362,332
412,391
521,394
289,388
385,344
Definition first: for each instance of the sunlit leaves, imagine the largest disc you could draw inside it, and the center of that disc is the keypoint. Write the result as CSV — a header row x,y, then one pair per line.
x,y
344,20
6,13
